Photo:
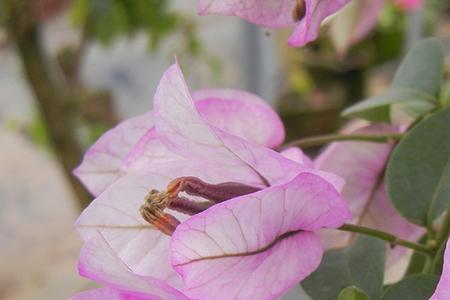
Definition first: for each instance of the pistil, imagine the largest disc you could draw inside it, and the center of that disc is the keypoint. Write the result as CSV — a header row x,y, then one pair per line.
x,y
213,192
156,202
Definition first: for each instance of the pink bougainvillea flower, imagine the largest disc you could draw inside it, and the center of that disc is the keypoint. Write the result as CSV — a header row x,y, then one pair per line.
x,y
182,166
362,165
305,15
442,291
237,112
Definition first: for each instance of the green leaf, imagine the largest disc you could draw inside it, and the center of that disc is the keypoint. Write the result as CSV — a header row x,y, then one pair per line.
x,y
378,108
422,68
418,172
360,265
414,287
417,83
352,293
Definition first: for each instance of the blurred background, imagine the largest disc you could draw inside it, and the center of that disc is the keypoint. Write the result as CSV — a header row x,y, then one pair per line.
x,y
71,69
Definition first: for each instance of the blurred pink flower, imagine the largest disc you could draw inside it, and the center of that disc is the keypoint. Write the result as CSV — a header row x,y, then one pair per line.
x,y
409,4
305,15
217,195
355,21
442,291
361,165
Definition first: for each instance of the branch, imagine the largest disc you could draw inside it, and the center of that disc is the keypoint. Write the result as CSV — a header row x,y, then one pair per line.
x,y
392,239
327,138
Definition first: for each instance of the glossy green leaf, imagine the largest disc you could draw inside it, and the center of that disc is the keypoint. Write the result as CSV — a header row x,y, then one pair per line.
x,y
352,293
416,83
378,108
418,172
360,265
414,287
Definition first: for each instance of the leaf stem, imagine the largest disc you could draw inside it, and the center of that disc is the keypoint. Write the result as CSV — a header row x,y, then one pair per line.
x,y
392,239
327,138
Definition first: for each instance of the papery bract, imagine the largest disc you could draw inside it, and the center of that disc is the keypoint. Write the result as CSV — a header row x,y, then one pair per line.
x,y
181,143
297,155
225,109
305,15
257,246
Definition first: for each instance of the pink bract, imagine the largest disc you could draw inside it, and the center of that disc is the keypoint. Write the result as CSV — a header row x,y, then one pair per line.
x,y
409,4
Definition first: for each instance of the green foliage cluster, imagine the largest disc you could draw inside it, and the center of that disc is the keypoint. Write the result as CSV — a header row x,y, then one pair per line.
x,y
418,183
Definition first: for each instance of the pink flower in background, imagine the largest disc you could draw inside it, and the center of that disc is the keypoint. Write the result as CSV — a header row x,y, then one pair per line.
x,y
356,20
361,165
442,291
409,4
305,16
191,174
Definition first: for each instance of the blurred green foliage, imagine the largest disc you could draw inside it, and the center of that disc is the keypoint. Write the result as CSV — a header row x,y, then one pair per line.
x,y
106,20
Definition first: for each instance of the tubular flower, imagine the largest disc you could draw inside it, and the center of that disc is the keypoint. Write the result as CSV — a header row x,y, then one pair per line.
x,y
195,199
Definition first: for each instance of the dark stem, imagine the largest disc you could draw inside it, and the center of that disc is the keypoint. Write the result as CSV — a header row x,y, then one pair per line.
x,y
48,92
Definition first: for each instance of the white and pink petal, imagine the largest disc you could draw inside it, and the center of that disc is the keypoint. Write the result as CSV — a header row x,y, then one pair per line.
x,y
266,13
242,114
104,158
99,262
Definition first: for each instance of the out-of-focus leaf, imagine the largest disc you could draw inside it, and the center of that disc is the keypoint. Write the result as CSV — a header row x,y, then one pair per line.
x,y
352,293
418,172
416,83
414,287
361,265
110,19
